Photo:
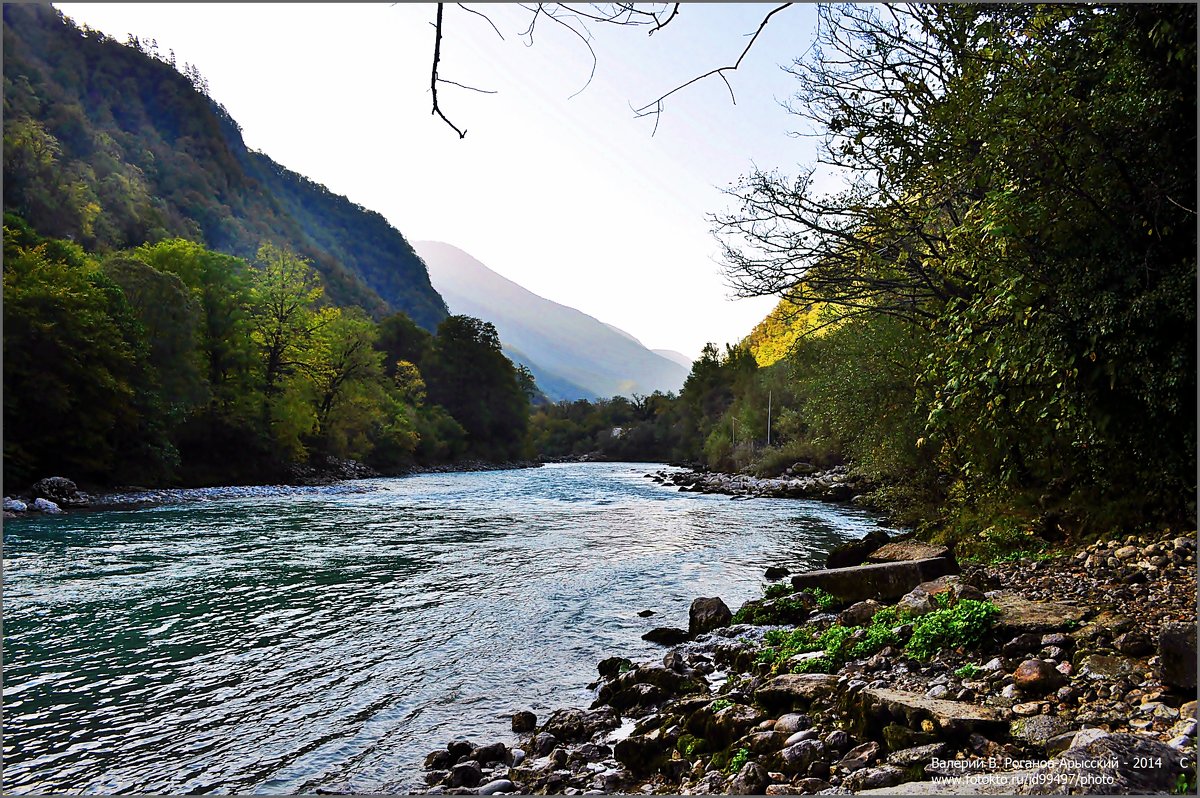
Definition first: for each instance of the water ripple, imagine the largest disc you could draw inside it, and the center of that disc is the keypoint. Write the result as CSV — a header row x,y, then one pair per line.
x,y
279,640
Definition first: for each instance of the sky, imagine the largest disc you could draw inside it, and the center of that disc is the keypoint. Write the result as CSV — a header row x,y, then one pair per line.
x,y
570,196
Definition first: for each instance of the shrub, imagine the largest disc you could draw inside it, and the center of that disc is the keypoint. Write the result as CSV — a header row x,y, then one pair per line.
x,y
964,624
968,671
738,760
777,591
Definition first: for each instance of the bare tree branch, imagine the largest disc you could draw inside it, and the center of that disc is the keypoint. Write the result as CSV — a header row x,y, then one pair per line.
x,y
657,105
485,16
433,81
660,25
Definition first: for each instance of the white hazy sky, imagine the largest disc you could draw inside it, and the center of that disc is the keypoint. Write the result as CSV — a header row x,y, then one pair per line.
x,y
571,197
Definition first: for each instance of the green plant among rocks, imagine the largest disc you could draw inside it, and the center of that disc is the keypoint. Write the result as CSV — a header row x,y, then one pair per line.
x,y
825,600
968,671
962,625
739,759
777,590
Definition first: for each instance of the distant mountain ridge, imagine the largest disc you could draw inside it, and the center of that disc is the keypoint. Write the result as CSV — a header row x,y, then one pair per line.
x,y
110,145
565,345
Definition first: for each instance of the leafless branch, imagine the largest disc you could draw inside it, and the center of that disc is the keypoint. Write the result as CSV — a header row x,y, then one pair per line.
x,y
655,107
485,16
660,25
433,81
465,86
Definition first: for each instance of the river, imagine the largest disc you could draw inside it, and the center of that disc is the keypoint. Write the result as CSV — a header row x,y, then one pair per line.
x,y
284,640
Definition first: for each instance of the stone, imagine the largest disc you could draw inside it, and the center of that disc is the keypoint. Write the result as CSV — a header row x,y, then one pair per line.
x,y
1039,729
577,725
45,506
646,613
542,744
1019,614
1177,651
61,491
796,690
1116,764
911,709
485,754
916,603
792,723
859,757
1022,644
439,760
797,757
524,721
499,785
707,614
465,774
635,696
752,779
1037,677
666,636
1126,553
612,667
888,581
898,737
837,740
1027,709
859,613
775,573
459,749
15,505
726,725
907,551
874,778
1135,644
918,755
855,552
1098,667
638,752
800,736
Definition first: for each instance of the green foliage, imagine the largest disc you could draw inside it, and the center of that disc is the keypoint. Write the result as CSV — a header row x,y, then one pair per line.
x,y
825,600
778,590
968,671
719,704
963,625
738,760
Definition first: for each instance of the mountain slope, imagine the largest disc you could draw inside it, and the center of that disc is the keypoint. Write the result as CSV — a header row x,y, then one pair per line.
x,y
110,145
563,341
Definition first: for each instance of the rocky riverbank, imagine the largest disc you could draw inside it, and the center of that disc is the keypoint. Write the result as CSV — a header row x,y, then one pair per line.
x,y
1075,673
800,481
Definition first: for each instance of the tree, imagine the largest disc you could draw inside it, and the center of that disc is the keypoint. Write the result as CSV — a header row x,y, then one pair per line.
x,y
472,379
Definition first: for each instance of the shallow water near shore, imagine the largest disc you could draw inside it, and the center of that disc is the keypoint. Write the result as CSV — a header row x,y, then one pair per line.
x,y
284,640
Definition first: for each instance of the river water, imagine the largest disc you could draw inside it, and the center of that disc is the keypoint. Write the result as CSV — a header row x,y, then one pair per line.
x,y
284,640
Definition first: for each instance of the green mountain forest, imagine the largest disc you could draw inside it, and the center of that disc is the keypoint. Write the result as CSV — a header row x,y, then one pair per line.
x,y
995,321
178,309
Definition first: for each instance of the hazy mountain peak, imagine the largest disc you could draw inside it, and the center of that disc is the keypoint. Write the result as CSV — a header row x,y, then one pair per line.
x,y
559,344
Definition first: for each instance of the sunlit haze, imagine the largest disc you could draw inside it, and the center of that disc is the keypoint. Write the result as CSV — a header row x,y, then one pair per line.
x,y
572,197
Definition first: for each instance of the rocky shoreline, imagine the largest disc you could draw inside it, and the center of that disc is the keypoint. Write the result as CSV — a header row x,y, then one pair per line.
x,y
800,481
1078,676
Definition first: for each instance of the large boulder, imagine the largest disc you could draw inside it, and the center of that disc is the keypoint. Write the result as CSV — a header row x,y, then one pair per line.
x,y
796,690
752,779
666,636
707,614
880,706
576,725
907,551
1019,615
61,491
1116,764
855,552
889,580
45,506
1177,650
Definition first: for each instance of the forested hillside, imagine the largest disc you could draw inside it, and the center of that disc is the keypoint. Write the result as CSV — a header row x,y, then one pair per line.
x,y
112,146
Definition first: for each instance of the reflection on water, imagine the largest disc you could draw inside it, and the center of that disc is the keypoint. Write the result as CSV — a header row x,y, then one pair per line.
x,y
281,641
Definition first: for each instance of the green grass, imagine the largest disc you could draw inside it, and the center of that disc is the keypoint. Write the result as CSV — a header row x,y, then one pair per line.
x,y
960,626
